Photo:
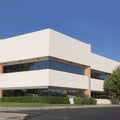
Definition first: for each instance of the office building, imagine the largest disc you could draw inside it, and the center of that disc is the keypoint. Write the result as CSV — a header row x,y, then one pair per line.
x,y
47,62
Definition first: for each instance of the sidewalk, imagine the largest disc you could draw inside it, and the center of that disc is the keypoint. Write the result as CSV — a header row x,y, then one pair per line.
x,y
12,116
6,112
10,109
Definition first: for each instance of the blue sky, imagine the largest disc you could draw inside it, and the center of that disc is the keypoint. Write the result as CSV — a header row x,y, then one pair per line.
x,y
92,21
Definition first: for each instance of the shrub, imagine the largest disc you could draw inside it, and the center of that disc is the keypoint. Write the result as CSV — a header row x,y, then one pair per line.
x,y
94,101
89,101
114,101
78,101
47,99
84,101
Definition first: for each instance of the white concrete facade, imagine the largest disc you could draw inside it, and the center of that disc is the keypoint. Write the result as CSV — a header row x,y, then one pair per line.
x,y
47,43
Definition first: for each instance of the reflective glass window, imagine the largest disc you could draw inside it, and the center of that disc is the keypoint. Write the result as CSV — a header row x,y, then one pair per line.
x,y
46,64
98,75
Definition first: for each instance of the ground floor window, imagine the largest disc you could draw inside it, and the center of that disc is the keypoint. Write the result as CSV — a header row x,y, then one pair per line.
x,y
102,95
51,91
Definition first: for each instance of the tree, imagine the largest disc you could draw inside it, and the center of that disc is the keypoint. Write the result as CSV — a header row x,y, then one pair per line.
x,y
112,83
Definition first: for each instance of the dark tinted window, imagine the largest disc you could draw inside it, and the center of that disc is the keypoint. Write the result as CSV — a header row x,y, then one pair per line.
x,y
98,75
46,64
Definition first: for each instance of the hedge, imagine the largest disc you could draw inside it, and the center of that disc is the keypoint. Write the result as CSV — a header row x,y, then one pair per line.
x,y
84,101
78,100
89,101
114,101
48,99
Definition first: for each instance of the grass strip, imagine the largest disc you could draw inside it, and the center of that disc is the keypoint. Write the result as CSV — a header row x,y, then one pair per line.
x,y
17,104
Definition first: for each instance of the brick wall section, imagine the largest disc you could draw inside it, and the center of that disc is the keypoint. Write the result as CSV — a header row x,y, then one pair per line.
x,y
87,72
1,93
1,71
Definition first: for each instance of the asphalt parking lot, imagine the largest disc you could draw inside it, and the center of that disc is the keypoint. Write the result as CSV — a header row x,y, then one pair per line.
x,y
111,113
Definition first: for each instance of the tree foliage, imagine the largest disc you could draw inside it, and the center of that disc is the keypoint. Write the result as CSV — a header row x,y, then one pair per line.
x,y
112,82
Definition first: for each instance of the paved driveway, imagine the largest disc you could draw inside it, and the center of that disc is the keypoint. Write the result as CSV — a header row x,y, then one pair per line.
x,y
111,113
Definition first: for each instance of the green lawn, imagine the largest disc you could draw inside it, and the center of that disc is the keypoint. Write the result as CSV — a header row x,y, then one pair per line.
x,y
15,104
